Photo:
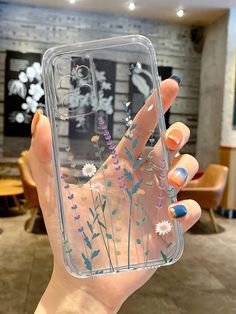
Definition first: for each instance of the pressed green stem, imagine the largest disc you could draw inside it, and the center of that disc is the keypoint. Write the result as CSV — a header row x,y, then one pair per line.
x,y
148,230
136,218
105,222
163,240
130,216
91,255
129,229
112,228
143,239
136,247
108,253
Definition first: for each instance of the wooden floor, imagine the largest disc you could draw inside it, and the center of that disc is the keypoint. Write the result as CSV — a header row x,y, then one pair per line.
x,y
202,282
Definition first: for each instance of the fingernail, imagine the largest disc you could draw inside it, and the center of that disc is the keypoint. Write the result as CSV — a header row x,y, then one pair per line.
x,y
177,78
35,121
178,176
178,211
173,138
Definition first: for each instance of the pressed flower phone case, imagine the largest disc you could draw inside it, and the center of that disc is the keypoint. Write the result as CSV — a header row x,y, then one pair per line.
x,y
104,105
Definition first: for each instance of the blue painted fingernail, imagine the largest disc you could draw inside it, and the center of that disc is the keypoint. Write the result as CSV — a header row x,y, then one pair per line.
x,y
178,176
178,211
177,78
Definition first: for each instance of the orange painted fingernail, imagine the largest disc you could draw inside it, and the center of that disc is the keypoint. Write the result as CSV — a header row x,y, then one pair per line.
x,y
173,139
35,121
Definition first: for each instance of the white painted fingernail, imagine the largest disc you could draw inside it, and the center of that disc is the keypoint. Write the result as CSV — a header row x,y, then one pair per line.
x,y
150,107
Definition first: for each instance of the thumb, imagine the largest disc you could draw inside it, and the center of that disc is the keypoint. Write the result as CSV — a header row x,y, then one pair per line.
x,y
40,154
40,158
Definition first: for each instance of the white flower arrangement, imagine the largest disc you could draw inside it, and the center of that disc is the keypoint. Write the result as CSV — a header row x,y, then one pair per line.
x,y
35,91
83,100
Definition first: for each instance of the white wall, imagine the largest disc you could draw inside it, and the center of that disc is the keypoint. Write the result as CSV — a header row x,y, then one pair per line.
x,y
228,134
212,92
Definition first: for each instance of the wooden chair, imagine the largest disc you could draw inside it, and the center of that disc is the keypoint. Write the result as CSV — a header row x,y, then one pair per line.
x,y
207,190
31,195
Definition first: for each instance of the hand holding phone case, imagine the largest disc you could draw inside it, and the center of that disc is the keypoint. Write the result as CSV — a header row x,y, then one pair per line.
x,y
104,105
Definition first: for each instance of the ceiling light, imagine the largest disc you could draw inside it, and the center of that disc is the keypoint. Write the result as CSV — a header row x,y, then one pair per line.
x,y
131,6
180,13
72,1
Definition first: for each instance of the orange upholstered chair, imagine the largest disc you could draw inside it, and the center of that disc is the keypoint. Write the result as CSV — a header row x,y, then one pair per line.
x,y
207,190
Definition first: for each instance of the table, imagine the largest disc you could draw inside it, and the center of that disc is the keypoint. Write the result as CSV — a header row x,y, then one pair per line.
x,y
13,188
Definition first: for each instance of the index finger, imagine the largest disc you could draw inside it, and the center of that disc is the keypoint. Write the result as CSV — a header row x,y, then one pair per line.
x,y
147,118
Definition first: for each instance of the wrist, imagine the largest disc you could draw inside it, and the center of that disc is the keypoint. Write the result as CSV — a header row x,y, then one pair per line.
x,y
61,298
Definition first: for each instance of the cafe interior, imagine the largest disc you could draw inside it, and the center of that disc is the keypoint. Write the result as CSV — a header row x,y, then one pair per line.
x,y
194,40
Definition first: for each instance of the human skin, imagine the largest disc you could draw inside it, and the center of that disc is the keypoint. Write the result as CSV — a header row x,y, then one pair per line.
x,y
65,293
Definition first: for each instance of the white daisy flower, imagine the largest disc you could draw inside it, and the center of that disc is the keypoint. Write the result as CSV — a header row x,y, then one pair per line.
x,y
96,187
163,227
89,170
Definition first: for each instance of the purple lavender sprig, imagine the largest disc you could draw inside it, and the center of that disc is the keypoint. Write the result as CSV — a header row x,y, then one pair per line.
x,y
112,147
74,207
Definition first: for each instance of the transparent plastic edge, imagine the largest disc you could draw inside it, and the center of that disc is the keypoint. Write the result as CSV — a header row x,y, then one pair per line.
x,y
47,78
162,127
94,45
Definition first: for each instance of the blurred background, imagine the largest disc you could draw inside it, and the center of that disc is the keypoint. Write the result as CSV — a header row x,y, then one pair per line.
x,y
194,39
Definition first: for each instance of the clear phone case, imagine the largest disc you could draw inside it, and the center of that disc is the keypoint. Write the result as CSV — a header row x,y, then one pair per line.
x,y
104,105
